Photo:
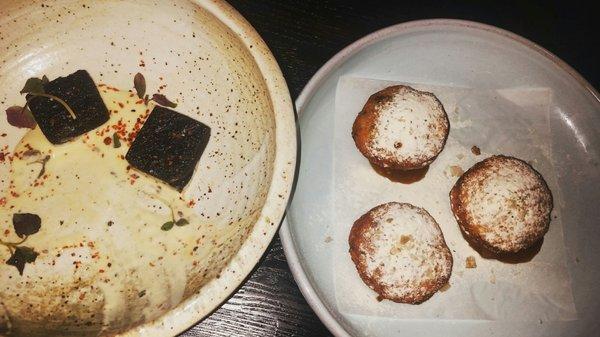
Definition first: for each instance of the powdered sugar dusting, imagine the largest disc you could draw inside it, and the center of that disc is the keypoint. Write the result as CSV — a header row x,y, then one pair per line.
x,y
408,249
411,126
509,201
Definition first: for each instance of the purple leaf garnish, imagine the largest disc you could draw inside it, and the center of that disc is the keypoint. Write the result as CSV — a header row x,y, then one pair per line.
x,y
20,117
139,82
33,85
164,101
21,256
26,224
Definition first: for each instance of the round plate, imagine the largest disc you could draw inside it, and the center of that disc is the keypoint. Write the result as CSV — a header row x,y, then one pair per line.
x,y
209,59
465,54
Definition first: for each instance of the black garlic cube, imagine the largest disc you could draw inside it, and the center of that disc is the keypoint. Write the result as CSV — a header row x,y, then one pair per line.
x,y
169,146
81,95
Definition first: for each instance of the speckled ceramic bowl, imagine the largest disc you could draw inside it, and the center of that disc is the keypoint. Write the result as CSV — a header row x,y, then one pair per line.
x,y
212,62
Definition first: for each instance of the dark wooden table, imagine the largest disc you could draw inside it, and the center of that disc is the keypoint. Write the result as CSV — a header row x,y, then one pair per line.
x,y
303,35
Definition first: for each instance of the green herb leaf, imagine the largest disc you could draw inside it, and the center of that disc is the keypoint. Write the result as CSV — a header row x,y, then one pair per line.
x,y
116,140
33,86
20,117
167,226
26,223
21,256
163,100
139,83
182,222
45,79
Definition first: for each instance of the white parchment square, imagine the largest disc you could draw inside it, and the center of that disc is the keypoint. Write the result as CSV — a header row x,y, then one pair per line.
x,y
511,121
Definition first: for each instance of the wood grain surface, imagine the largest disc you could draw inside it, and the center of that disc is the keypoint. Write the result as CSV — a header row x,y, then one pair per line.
x,y
303,35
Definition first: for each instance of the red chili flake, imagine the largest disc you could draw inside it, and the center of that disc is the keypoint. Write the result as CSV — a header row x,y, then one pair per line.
x,y
131,136
191,203
101,85
4,135
121,105
14,194
101,270
140,101
2,156
6,232
82,296
107,141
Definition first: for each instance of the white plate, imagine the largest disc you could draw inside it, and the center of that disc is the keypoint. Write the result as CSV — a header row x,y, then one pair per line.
x,y
451,53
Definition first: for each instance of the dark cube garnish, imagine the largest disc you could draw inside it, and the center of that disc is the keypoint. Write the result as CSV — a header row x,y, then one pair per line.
x,y
168,146
80,93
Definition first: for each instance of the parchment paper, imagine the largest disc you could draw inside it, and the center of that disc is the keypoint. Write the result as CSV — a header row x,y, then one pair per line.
x,y
512,121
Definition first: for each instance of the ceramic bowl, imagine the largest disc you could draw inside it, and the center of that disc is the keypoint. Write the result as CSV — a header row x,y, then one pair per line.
x,y
214,64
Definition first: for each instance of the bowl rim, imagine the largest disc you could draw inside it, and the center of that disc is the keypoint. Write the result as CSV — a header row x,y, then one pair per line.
x,y
199,306
291,253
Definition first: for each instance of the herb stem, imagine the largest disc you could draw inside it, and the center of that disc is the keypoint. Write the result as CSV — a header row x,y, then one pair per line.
x,y
42,161
168,204
13,244
59,100
172,212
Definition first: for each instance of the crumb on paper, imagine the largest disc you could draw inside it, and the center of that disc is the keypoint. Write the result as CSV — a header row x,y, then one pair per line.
x,y
460,156
476,150
456,171
328,239
470,262
493,278
576,260
445,287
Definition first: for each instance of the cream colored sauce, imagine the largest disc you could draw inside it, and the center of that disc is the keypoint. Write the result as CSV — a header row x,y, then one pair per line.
x,y
127,272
